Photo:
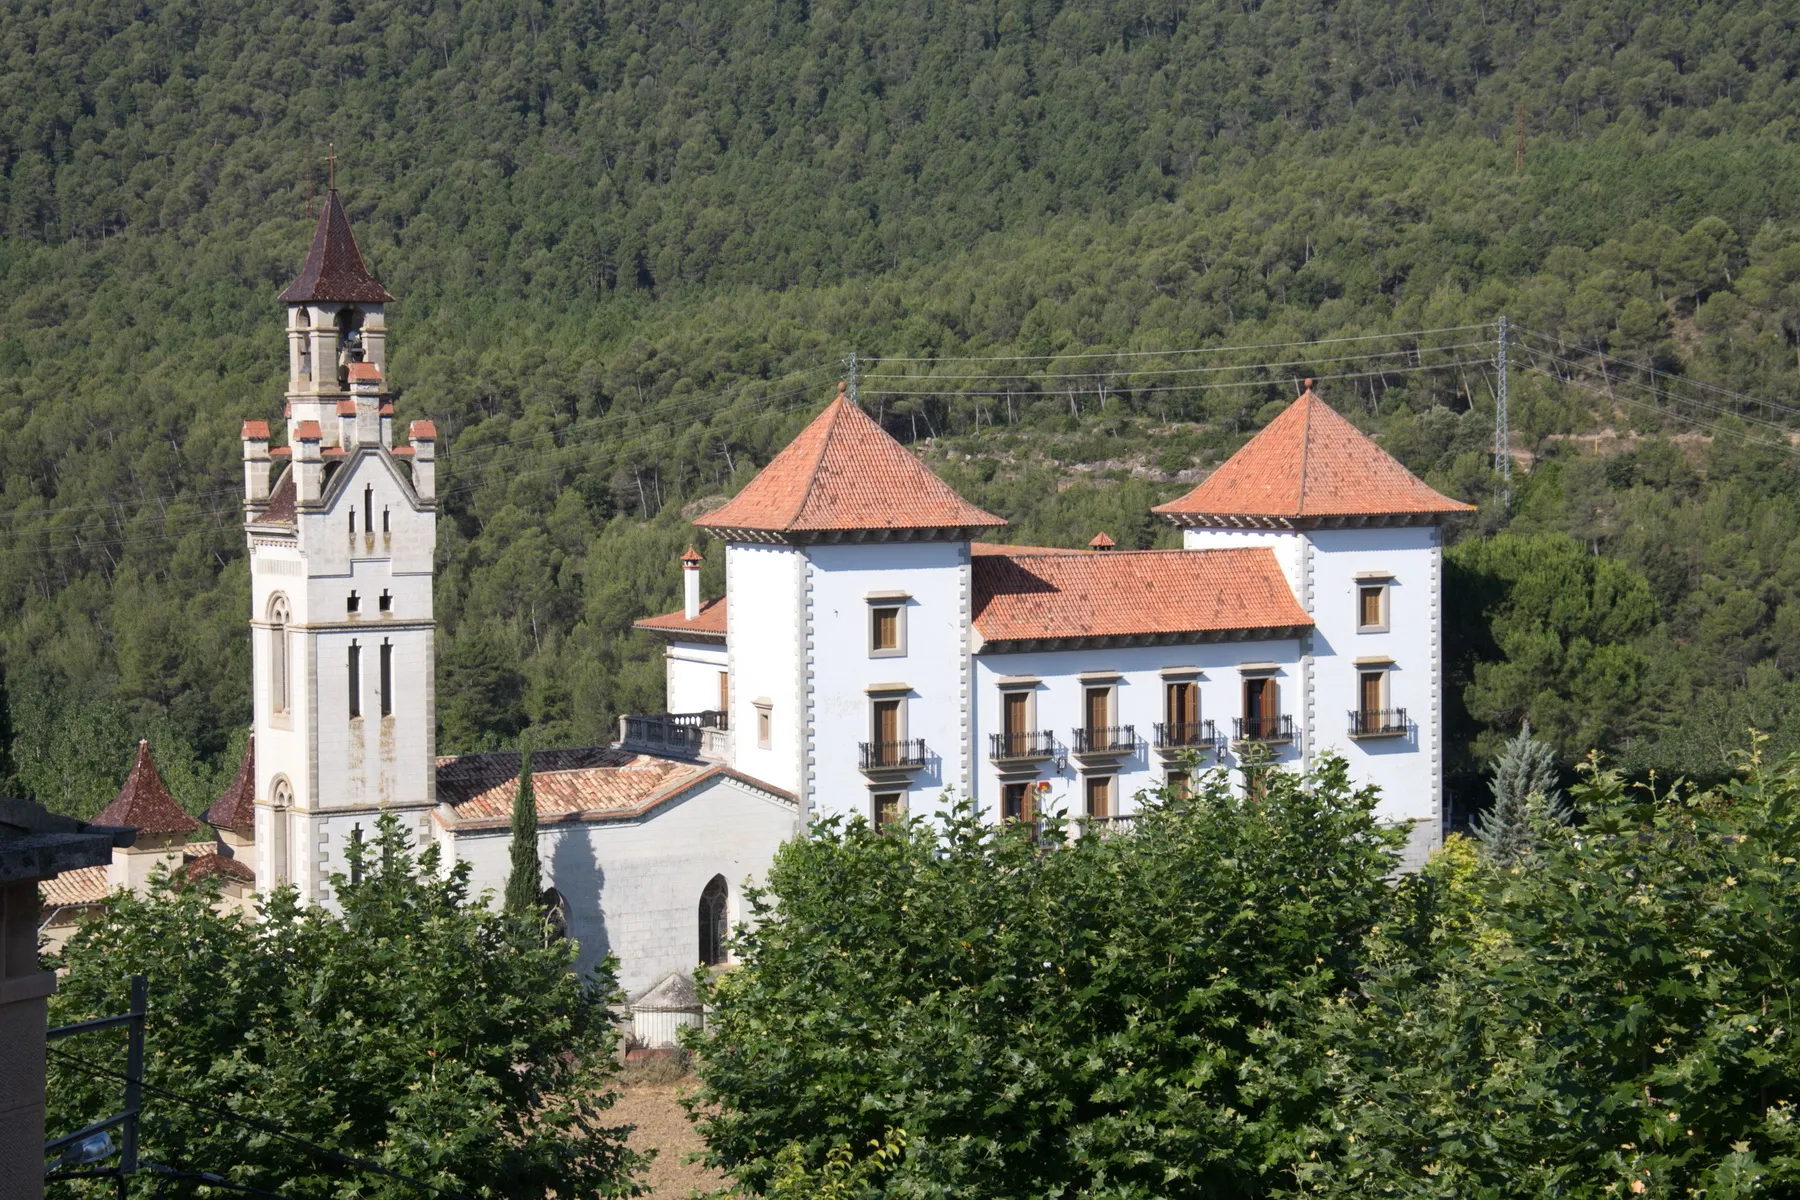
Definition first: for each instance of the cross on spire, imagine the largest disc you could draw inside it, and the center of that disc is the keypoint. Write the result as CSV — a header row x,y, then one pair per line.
x,y
331,162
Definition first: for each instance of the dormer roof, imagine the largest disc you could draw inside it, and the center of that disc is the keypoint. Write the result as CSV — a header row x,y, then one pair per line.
x,y
1308,465
844,475
334,272
236,806
144,802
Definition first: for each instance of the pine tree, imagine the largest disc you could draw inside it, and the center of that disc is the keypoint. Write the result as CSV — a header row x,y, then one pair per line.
x,y
1525,773
524,883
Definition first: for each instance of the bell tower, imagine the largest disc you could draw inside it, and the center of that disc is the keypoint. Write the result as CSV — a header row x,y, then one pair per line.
x,y
342,526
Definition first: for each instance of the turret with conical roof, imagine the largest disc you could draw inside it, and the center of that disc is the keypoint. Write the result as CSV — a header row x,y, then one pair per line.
x,y
144,804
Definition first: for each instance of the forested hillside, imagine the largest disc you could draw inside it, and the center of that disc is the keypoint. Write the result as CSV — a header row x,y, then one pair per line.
x,y
633,244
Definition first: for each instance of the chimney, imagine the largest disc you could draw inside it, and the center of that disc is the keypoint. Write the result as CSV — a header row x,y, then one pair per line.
x,y
309,468
346,424
1101,542
690,583
387,424
365,393
256,461
424,447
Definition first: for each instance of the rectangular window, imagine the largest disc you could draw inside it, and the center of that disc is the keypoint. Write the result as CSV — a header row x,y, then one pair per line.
x,y
1098,704
887,809
884,629
352,603
355,680
385,602
1015,722
1178,784
1018,802
1183,702
1370,690
885,722
762,727
1261,707
386,520
1371,608
387,679
724,691
278,668
1098,790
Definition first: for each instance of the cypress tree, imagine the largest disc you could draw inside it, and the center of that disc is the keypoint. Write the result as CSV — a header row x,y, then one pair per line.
x,y
1526,772
524,883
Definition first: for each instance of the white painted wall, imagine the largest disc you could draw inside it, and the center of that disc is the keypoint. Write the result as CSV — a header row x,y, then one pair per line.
x,y
1289,548
1138,701
633,887
692,672
936,580
764,595
1408,769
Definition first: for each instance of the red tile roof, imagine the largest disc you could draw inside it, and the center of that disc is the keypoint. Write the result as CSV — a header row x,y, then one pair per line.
x,y
236,806
144,803
256,431
422,431
1035,596
594,783
1101,542
363,370
346,408
1310,462
692,556
981,549
83,885
308,431
844,473
334,270
710,623
231,870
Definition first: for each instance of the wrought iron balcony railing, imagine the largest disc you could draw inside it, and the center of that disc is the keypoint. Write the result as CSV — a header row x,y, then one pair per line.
x,y
1378,722
1263,729
907,755
1023,746
1186,735
1106,739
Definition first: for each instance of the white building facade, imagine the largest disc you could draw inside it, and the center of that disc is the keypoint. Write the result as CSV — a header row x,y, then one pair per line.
x,y
878,659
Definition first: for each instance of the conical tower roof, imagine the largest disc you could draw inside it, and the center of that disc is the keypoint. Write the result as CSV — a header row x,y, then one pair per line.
x,y
1310,464
845,475
236,806
144,803
334,272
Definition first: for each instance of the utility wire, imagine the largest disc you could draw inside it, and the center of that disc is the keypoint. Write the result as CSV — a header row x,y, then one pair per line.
x,y
1207,387
1649,370
1717,430
1361,337
337,1157
1573,364
1134,372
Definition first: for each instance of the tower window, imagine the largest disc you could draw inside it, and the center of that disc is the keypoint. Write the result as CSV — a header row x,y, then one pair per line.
x,y
387,524
369,509
384,601
356,855
387,679
355,680
352,603
278,654
353,522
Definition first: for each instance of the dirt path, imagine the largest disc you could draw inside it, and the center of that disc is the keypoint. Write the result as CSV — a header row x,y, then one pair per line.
x,y
662,1125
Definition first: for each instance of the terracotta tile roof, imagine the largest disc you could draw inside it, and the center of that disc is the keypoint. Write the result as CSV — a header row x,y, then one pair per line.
x,y
984,549
1034,596
232,870
283,502
1101,541
144,803
308,431
363,370
692,556
709,623
346,408
83,885
845,473
1311,462
256,431
593,783
334,270
236,806
422,431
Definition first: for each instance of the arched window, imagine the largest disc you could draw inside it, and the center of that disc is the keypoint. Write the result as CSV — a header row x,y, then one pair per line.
x,y
713,922
278,653
281,794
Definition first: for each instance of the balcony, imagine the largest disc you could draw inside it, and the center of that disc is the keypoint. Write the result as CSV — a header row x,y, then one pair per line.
x,y
1379,722
1174,737
1106,740
880,758
1025,747
684,735
1106,827
1264,731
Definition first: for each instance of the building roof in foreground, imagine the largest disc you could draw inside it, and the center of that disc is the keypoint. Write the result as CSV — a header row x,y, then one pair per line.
x,y
1309,464
707,626
334,272
144,802
844,475
1029,596
595,783
230,870
82,886
236,806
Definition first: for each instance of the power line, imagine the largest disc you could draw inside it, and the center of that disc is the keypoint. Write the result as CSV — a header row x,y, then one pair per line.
x,y
1136,371
1362,337
1653,372
1576,364
1717,430
337,1157
1235,383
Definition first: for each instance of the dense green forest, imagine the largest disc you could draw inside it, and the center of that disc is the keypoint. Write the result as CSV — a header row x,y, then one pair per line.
x,y
633,245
